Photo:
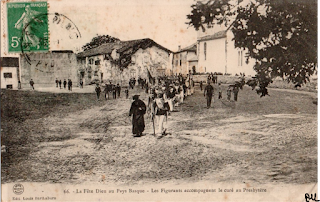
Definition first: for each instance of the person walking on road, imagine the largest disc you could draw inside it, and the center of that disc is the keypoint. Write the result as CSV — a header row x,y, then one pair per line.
x,y
60,82
160,111
118,88
235,93
126,91
208,93
137,111
220,91
107,89
64,84
31,84
57,82
170,96
70,85
201,85
114,92
98,90
81,83
229,93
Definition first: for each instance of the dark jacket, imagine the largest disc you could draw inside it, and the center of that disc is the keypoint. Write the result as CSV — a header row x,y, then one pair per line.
x,y
137,110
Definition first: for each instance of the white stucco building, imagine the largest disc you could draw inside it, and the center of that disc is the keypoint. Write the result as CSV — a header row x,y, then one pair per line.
x,y
9,72
216,53
185,59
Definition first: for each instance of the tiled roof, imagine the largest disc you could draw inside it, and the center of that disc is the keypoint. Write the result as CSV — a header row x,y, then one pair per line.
x,y
121,47
218,35
190,48
100,50
9,62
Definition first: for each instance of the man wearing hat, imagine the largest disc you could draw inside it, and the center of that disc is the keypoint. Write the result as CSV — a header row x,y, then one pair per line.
x,y
138,109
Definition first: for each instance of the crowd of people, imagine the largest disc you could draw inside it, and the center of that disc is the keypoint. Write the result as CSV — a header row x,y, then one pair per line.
x,y
110,89
164,94
167,93
59,84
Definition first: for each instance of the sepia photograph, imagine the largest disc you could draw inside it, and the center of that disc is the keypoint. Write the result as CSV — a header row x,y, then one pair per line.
x,y
159,100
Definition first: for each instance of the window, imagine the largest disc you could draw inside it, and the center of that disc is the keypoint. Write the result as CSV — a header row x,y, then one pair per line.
x,y
180,58
7,75
90,61
176,62
97,62
194,69
133,59
240,58
9,86
205,50
81,75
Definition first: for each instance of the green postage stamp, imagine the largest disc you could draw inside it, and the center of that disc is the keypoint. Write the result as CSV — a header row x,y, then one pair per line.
x,y
28,27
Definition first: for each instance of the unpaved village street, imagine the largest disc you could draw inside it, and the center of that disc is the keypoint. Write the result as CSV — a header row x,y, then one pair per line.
x,y
261,140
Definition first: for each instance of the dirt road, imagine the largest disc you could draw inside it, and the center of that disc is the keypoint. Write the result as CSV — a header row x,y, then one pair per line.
x,y
261,140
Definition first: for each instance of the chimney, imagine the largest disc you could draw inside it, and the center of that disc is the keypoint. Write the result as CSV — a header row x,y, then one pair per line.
x,y
179,47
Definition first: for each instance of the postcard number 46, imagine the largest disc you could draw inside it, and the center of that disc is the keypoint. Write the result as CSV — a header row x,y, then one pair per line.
x,y
15,42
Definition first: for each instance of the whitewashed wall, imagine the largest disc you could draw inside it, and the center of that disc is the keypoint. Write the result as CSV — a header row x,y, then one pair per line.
x,y
153,58
9,81
215,60
236,60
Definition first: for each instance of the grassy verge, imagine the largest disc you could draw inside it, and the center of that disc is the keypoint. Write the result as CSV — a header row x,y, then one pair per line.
x,y
22,113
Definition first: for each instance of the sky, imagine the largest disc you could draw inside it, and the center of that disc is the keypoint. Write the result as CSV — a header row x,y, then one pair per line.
x,y
163,21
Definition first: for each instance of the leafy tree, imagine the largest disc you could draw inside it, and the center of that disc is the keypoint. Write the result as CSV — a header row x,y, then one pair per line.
x,y
281,35
98,40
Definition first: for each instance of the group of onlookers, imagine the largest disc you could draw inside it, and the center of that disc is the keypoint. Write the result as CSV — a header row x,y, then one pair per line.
x,y
167,94
110,88
163,97
212,77
59,84
209,92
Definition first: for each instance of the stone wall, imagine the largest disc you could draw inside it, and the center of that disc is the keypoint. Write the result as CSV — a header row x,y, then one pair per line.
x,y
44,68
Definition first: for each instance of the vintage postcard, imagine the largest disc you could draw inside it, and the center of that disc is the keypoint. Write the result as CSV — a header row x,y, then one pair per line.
x,y
159,100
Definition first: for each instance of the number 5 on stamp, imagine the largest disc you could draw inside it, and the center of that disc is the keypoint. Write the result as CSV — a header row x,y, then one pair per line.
x,y
28,27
